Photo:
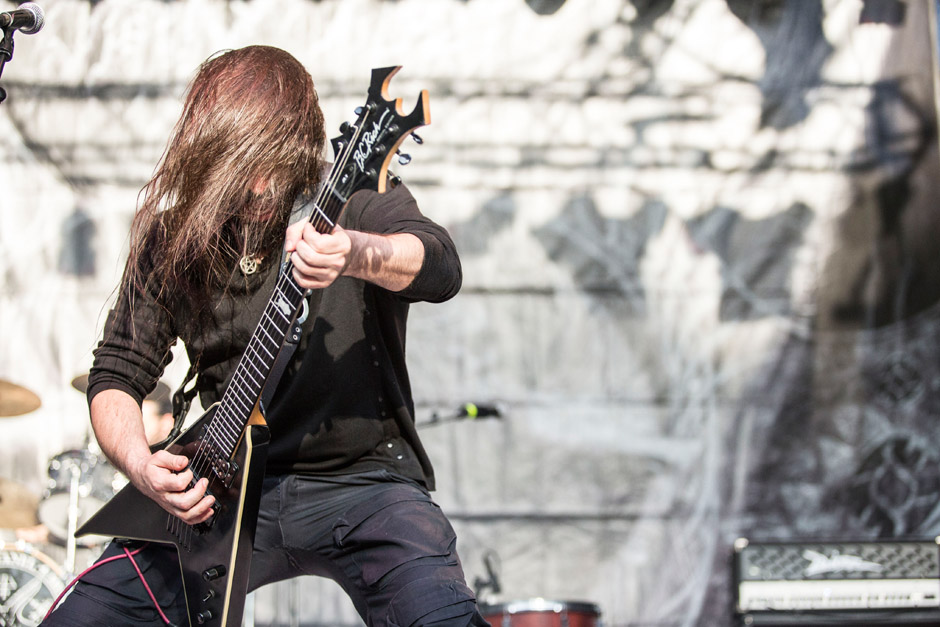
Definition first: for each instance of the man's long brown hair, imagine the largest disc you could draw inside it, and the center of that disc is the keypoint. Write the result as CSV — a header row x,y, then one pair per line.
x,y
249,139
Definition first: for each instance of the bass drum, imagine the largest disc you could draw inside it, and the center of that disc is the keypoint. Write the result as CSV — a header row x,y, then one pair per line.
x,y
94,482
542,613
29,584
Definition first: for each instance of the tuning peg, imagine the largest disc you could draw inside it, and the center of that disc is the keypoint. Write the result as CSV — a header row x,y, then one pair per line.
x,y
345,128
394,179
403,158
417,138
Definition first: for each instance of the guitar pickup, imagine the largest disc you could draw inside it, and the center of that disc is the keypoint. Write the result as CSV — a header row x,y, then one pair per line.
x,y
225,470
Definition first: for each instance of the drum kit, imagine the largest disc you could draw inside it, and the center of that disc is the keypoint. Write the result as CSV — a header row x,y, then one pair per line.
x,y
78,483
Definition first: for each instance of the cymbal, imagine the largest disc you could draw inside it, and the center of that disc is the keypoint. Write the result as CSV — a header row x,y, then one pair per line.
x,y
16,400
80,383
17,505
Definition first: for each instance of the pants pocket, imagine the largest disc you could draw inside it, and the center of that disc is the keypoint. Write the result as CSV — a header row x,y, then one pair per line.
x,y
396,529
434,602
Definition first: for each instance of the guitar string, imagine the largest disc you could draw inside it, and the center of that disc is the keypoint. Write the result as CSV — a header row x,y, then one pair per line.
x,y
215,429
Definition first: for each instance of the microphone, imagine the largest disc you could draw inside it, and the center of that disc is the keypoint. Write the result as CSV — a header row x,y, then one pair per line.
x,y
28,18
473,410
470,411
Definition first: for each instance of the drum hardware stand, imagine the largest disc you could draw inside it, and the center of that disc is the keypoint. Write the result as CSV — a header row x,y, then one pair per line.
x,y
293,615
70,541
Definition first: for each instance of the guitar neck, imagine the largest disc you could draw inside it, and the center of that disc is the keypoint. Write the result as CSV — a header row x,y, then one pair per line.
x,y
280,312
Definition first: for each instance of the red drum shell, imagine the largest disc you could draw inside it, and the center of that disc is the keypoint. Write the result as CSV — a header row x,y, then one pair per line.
x,y
541,613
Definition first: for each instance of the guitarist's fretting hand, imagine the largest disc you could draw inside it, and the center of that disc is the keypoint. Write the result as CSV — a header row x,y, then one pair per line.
x,y
162,476
318,258
390,261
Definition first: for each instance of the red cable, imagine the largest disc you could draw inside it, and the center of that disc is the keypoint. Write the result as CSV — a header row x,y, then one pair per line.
x,y
127,555
146,587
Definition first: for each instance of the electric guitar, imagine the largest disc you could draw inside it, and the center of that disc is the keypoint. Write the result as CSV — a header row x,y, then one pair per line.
x,y
228,443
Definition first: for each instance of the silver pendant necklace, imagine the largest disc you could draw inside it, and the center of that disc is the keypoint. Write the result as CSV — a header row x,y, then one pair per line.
x,y
249,264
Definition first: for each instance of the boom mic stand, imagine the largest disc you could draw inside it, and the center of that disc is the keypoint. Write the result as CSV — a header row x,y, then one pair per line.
x,y
29,18
467,411
6,54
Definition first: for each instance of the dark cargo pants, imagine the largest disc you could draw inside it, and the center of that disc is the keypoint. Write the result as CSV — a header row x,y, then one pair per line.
x,y
380,537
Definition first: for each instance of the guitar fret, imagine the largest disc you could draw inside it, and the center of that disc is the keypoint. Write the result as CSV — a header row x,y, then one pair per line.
x,y
235,416
269,316
222,427
245,406
240,393
325,217
251,381
291,283
275,343
256,367
257,351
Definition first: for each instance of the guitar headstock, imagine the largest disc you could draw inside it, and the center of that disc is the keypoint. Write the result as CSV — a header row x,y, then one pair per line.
x,y
364,151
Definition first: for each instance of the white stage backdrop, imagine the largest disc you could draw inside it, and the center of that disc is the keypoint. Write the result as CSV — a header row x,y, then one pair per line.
x,y
700,250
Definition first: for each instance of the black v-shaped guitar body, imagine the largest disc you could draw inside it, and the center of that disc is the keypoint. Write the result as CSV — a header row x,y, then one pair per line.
x,y
214,560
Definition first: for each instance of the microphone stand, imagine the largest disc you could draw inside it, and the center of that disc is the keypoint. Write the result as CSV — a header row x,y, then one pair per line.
x,y
6,54
468,411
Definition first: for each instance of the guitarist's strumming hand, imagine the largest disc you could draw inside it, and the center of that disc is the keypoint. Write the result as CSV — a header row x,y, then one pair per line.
x,y
162,476
165,478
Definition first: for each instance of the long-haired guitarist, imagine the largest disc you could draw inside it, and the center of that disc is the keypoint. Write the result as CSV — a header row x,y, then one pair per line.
x,y
344,491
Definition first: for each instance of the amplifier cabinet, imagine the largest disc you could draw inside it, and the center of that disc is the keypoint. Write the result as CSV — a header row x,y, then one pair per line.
x,y
880,582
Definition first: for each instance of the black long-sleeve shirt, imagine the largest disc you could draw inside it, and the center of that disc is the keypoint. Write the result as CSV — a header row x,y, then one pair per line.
x,y
344,402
